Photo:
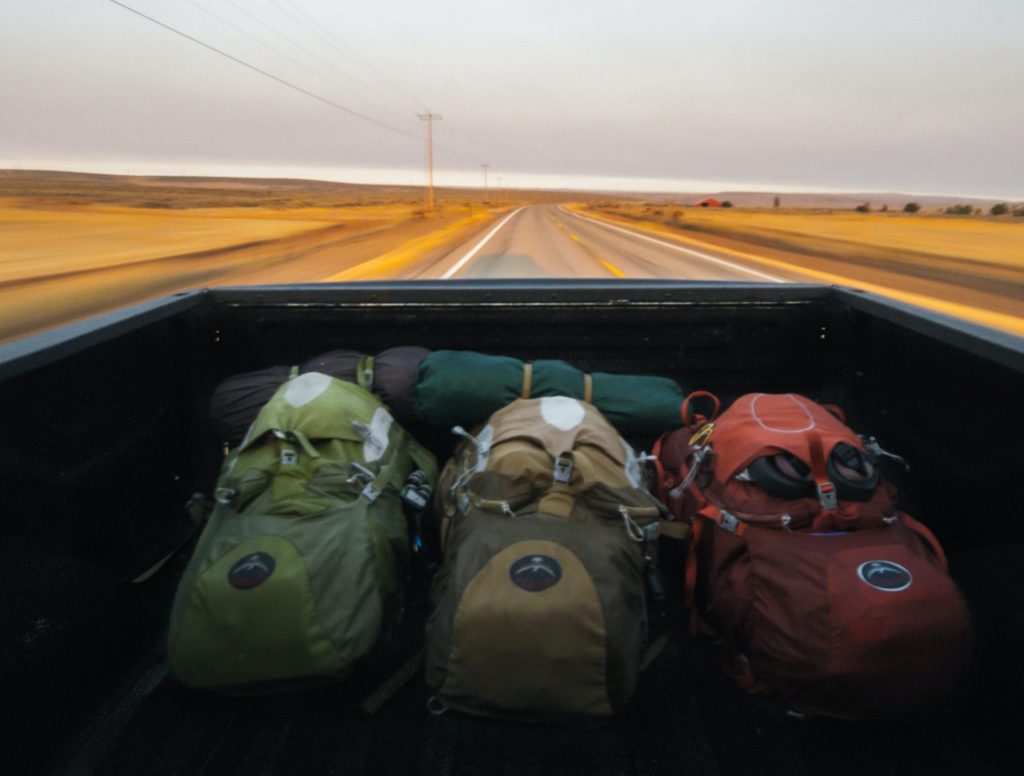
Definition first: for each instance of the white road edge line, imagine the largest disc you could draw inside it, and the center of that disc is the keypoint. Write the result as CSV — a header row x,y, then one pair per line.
x,y
692,252
462,262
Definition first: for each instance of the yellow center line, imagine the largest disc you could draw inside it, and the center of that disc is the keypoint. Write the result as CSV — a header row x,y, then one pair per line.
x,y
612,268
574,237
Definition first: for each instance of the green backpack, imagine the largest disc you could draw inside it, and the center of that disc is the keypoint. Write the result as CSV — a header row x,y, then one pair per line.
x,y
298,571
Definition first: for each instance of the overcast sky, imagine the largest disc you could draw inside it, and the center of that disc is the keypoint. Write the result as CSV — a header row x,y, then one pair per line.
x,y
872,96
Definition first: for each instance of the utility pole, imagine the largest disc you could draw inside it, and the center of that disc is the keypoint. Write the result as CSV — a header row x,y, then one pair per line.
x,y
430,118
485,166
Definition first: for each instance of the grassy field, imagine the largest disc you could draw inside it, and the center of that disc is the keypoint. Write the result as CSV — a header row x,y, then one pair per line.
x,y
74,245
982,240
983,251
40,241
55,224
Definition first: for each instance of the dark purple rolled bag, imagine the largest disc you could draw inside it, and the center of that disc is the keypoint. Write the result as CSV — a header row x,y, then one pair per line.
x,y
391,375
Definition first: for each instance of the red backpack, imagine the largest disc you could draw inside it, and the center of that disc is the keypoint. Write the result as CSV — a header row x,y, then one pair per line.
x,y
820,589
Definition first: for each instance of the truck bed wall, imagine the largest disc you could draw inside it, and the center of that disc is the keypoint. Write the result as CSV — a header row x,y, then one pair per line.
x,y
105,432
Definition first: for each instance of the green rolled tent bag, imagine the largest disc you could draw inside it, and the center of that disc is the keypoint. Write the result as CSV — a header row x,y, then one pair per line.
x,y
460,387
298,570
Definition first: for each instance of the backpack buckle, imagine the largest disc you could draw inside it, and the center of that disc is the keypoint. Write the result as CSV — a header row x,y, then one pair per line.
x,y
417,491
361,475
827,496
563,470
729,522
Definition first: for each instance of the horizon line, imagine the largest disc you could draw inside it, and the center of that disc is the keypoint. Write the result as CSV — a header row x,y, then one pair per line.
x,y
524,181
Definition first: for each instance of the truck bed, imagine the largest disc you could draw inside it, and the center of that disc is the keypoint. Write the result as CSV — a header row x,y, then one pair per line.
x,y
106,434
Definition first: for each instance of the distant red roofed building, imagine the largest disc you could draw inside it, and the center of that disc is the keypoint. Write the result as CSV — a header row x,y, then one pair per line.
x,y
709,202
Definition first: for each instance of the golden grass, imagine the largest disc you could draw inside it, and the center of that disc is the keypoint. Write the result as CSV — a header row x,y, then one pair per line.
x,y
981,240
50,239
872,238
391,264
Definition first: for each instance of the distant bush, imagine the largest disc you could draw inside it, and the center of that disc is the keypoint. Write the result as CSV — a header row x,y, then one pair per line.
x,y
677,215
1019,211
776,202
959,210
727,203
1000,209
911,207
865,208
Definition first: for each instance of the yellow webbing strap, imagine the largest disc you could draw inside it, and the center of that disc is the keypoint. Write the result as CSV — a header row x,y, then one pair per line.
x,y
364,372
588,388
674,530
527,380
393,684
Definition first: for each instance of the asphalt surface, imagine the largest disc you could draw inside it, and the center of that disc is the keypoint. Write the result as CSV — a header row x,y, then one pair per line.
x,y
540,241
534,241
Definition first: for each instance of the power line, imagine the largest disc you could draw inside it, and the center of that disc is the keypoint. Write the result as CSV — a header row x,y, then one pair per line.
x,y
289,84
324,33
313,55
282,54
344,50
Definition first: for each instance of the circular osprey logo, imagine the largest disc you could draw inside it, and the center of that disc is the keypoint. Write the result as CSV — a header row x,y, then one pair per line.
x,y
535,573
252,570
885,575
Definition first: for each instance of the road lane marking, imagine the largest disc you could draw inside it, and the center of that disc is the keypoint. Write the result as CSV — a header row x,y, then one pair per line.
x,y
574,237
681,249
462,262
996,320
612,268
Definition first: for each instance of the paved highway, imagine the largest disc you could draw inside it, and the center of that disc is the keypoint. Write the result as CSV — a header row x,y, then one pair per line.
x,y
540,241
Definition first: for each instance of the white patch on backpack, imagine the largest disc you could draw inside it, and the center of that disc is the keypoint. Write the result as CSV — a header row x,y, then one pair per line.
x,y
803,408
376,443
303,389
561,412
632,467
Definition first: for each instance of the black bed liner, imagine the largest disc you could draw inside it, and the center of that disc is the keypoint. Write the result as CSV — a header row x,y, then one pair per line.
x,y
105,435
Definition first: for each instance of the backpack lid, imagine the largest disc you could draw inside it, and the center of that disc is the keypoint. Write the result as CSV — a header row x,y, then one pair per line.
x,y
760,424
559,424
318,406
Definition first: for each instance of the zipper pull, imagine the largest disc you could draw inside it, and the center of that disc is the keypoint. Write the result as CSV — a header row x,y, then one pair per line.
x,y
635,532
460,431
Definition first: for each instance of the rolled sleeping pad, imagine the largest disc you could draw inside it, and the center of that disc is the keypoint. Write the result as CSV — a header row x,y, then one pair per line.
x,y
391,375
461,387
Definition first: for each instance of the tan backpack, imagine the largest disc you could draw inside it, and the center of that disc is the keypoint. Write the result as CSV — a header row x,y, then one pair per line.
x,y
548,534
